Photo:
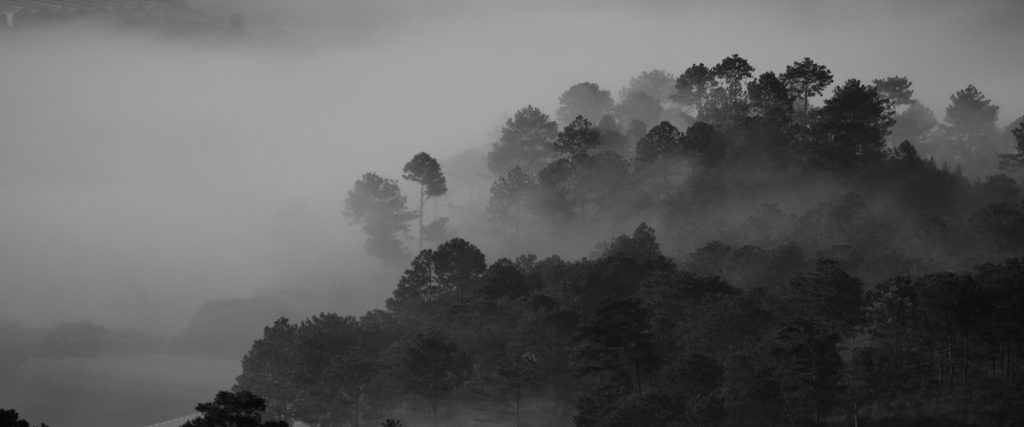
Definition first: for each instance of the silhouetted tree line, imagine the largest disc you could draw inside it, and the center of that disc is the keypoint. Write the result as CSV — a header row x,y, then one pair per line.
x,y
10,418
817,272
627,337
733,136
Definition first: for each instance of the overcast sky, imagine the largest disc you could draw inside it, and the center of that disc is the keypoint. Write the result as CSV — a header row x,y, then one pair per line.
x,y
140,176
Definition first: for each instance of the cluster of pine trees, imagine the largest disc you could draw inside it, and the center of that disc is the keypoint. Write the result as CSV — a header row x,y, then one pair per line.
x,y
626,337
854,263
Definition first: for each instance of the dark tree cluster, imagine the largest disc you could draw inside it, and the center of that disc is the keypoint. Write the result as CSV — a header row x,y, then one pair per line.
x,y
739,140
809,269
378,205
10,418
242,409
627,337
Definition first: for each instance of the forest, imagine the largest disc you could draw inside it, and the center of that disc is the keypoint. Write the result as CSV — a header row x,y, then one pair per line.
x,y
856,263
776,249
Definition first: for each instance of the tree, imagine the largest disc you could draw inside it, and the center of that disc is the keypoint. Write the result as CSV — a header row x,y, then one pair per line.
x,y
970,114
268,369
620,341
10,418
526,141
971,136
733,70
515,373
828,296
890,312
805,79
725,103
636,130
896,89
658,84
661,142
335,368
725,108
806,368
556,191
641,248
770,98
852,126
317,371
569,185
584,99
692,87
432,365
503,278
612,138
450,271
577,138
597,180
508,196
639,106
1016,159
705,143
1002,226
458,265
379,206
242,409
424,170
914,123
905,156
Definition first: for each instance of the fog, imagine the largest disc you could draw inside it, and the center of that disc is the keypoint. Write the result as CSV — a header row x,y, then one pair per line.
x,y
142,175
165,194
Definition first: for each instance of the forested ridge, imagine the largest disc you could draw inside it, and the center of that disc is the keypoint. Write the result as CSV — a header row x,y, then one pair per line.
x,y
787,263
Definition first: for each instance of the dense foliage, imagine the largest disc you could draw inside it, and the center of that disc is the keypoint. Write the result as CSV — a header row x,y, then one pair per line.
x,y
808,270
242,409
629,338
10,418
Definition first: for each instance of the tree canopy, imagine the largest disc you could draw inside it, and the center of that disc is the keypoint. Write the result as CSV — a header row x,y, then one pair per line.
x,y
377,204
584,99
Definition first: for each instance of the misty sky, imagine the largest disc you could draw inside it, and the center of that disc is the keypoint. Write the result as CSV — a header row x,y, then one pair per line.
x,y
141,176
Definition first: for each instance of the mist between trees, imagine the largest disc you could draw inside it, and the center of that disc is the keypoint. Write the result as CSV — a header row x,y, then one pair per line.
x,y
714,247
784,263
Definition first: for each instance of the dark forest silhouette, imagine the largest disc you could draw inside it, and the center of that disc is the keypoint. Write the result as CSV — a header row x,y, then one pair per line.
x,y
892,298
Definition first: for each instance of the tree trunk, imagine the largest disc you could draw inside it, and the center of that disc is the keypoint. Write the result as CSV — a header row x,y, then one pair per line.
x,y
1006,361
639,384
436,392
421,217
967,360
355,413
519,207
789,411
896,358
517,406
996,358
949,358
